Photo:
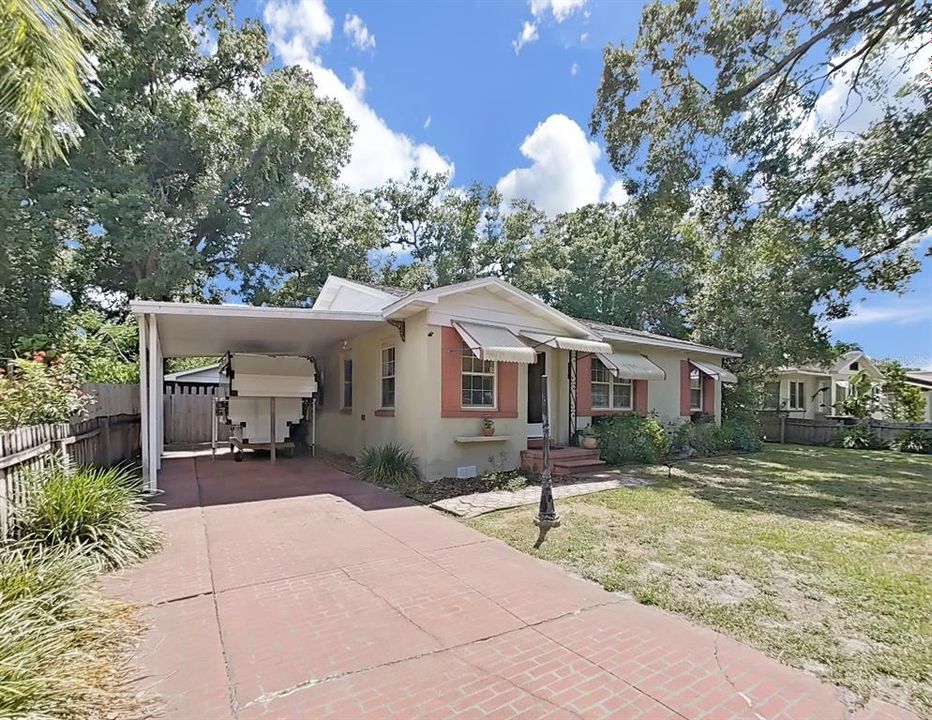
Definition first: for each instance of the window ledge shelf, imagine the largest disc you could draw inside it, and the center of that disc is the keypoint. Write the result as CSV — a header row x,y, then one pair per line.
x,y
481,438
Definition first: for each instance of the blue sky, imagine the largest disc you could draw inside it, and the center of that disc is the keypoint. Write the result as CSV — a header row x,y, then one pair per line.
x,y
501,92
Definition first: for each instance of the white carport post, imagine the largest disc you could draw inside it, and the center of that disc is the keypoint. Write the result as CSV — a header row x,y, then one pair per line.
x,y
154,402
143,324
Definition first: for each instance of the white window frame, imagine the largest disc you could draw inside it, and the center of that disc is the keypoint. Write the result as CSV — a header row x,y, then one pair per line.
x,y
383,377
347,358
695,375
466,352
797,394
611,383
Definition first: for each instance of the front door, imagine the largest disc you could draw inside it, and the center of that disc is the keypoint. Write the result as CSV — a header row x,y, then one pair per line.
x,y
535,408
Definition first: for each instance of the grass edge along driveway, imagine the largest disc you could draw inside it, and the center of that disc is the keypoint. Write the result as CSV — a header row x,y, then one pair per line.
x,y
820,557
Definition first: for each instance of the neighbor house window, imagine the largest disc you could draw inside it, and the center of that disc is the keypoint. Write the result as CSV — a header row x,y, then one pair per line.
x,y
854,366
477,381
609,392
695,390
347,382
772,395
797,396
388,377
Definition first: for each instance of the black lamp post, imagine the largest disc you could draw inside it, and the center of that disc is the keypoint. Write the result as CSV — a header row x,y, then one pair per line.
x,y
546,514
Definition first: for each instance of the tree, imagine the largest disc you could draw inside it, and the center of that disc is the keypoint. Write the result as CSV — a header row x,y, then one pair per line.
x,y
626,265
860,401
725,96
438,235
45,68
198,170
902,400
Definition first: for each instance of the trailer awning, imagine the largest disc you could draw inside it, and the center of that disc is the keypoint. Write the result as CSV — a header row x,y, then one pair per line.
x,y
567,343
495,343
715,371
632,366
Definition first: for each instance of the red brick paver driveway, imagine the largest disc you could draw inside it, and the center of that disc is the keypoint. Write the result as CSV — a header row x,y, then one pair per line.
x,y
295,591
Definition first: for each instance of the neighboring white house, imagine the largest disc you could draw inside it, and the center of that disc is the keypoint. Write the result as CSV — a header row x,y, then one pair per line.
x,y
923,381
425,368
208,375
817,391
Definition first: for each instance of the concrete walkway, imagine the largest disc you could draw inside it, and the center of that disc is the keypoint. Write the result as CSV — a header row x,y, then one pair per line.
x,y
481,503
297,592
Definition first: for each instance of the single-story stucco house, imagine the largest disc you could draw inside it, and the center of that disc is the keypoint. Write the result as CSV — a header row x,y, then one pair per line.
x,y
817,391
425,368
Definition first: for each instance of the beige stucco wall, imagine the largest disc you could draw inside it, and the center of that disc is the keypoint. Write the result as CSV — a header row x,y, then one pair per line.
x,y
817,407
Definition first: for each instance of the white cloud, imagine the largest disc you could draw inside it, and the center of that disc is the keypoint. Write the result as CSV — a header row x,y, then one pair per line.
x,y
584,37
561,9
358,88
853,114
616,193
527,35
563,174
574,68
296,28
902,314
427,122
355,29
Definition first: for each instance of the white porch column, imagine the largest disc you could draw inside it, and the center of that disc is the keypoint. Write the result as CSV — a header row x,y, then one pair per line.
x,y
155,379
143,324
160,400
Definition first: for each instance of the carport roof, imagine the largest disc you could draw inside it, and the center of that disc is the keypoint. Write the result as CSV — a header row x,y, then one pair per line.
x,y
195,329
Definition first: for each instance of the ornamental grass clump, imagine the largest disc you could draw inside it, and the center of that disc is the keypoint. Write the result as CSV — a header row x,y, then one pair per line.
x,y
64,647
390,465
99,513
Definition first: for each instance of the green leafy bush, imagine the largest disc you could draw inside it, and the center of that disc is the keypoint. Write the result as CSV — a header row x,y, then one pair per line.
x,y
859,437
390,465
708,438
98,513
742,436
913,441
33,392
64,647
632,438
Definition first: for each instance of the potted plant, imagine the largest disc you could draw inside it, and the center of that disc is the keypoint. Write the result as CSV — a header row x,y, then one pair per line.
x,y
588,438
488,426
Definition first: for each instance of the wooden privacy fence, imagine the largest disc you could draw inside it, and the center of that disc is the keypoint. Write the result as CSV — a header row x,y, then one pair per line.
x,y
102,441
189,414
777,427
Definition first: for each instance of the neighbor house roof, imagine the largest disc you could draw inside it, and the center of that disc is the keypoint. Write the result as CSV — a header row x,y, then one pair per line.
x,y
616,332
922,379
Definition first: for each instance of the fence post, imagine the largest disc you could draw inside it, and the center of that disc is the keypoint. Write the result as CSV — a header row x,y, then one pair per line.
x,y
103,425
782,429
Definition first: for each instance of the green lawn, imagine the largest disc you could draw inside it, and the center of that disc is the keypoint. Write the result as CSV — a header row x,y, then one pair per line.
x,y
820,557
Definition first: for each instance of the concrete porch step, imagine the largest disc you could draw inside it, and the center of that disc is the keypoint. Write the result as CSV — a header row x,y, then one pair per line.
x,y
559,453
574,467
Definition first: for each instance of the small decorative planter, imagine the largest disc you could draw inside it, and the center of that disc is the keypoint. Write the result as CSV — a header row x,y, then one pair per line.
x,y
590,442
488,426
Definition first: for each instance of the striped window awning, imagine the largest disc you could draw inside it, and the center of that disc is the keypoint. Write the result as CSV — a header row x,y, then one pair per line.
x,y
495,343
567,343
632,366
715,371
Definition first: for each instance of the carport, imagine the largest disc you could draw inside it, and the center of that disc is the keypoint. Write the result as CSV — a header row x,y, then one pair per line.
x,y
169,329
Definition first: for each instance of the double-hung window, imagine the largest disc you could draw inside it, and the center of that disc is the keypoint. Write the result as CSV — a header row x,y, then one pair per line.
x,y
797,395
772,395
609,392
477,381
347,372
388,377
695,390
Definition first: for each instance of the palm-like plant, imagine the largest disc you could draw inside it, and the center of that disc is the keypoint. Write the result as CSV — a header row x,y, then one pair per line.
x,y
45,66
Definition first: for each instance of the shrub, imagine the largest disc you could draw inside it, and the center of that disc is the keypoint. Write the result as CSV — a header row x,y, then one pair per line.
x,y
33,392
632,438
64,646
913,441
742,436
709,438
859,437
390,465
98,513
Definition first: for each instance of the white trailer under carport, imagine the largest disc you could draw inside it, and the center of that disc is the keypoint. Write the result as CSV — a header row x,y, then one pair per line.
x,y
169,329
261,397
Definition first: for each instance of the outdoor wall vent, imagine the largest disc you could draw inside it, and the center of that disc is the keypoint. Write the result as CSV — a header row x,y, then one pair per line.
x,y
465,472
